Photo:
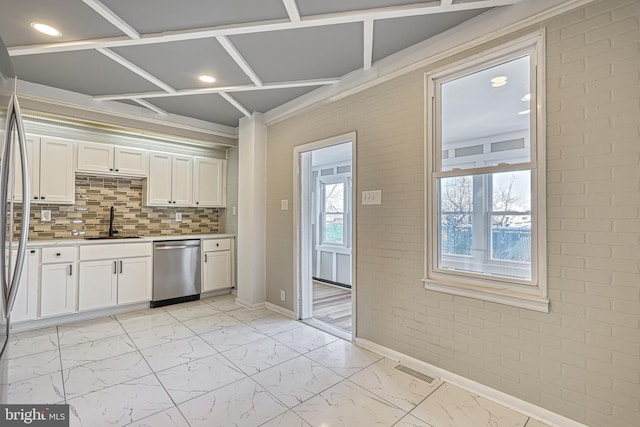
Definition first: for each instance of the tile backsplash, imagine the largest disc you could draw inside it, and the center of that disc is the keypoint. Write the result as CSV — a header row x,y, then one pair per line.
x,y
94,197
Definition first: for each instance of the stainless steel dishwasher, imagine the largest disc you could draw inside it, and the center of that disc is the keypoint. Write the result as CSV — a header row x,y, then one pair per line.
x,y
176,272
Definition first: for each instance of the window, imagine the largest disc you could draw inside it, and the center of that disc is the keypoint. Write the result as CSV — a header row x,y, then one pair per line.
x,y
486,177
333,213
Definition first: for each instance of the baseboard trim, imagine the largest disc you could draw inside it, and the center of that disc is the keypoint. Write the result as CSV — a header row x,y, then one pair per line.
x,y
487,392
249,305
280,310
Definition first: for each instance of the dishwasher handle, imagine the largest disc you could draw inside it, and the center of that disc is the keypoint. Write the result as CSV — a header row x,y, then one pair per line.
x,y
165,248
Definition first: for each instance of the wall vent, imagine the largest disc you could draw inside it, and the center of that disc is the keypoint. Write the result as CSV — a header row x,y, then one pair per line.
x,y
416,374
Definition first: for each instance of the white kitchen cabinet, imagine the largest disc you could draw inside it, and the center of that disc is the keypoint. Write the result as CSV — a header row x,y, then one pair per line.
x,y
170,180
113,274
58,286
134,280
209,182
26,302
51,168
98,286
217,262
111,160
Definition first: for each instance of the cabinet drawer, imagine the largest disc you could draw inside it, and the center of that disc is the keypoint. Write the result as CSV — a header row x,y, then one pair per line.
x,y
216,245
60,254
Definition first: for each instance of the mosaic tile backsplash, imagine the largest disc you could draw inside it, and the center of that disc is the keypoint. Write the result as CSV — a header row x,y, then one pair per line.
x,y
95,196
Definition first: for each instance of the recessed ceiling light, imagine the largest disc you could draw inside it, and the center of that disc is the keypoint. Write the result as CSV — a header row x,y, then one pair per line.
x,y
46,29
522,113
527,97
206,79
499,81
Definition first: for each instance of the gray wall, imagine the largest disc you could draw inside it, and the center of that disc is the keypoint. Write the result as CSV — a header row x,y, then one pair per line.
x,y
581,360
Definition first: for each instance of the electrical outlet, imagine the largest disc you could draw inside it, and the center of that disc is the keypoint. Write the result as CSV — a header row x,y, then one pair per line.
x,y
233,211
178,216
283,295
284,205
45,215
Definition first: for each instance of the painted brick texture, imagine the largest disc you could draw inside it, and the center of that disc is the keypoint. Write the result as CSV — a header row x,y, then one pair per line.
x,y
582,360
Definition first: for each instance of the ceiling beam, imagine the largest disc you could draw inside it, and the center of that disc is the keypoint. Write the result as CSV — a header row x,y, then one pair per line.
x,y
150,106
231,100
263,26
204,91
368,44
134,68
292,10
111,16
239,59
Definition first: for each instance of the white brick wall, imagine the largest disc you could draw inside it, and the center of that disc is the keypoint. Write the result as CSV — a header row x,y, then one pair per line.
x,y
582,360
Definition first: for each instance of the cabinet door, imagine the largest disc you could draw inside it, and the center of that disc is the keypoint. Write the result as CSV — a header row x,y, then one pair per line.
x,y
159,180
57,180
95,157
134,280
130,161
182,182
26,303
217,270
33,163
209,182
57,289
98,286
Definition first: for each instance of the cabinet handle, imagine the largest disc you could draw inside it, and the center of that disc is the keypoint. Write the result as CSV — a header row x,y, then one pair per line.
x,y
33,251
35,197
70,269
205,257
117,170
58,254
111,169
120,267
42,197
115,267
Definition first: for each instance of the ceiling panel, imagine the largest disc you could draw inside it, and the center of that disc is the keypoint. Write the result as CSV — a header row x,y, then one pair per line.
x,y
315,7
73,18
86,72
153,16
210,107
308,53
392,35
265,100
179,63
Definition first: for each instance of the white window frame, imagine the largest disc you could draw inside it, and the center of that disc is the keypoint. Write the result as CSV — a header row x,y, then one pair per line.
x,y
345,180
529,294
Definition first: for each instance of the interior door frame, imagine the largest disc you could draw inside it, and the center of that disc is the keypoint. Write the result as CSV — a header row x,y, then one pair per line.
x,y
302,225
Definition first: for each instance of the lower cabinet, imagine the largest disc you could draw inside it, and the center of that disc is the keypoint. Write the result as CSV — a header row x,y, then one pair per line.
x,y
217,264
124,279
25,306
58,285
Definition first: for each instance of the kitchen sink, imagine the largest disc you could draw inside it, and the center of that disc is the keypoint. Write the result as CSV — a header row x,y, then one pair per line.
x,y
112,237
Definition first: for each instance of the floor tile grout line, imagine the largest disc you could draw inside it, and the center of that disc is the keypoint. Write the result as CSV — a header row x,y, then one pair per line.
x,y
64,390
423,400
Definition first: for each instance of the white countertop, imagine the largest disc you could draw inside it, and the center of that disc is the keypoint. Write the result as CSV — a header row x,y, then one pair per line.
x,y
77,242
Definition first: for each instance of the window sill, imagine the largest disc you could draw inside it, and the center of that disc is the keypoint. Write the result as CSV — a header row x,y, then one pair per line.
x,y
529,302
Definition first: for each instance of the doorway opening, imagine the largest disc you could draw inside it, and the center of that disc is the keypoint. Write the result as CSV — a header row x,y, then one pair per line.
x,y
325,210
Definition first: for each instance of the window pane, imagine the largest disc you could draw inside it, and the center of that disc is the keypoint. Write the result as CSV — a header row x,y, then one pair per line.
x,y
334,198
485,224
456,206
333,229
511,216
485,117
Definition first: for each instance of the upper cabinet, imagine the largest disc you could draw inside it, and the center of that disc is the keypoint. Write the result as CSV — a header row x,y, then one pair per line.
x,y
170,181
111,160
209,182
51,170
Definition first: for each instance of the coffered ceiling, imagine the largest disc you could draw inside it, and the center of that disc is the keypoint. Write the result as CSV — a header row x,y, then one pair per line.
x,y
262,53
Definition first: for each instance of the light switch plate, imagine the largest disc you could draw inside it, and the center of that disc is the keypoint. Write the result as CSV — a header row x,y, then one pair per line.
x,y
372,197
284,205
45,215
233,211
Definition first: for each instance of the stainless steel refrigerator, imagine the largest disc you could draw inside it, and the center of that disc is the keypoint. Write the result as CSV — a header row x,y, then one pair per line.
x,y
13,166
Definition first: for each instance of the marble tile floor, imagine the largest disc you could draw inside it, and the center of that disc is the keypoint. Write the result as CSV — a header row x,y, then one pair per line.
x,y
214,363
